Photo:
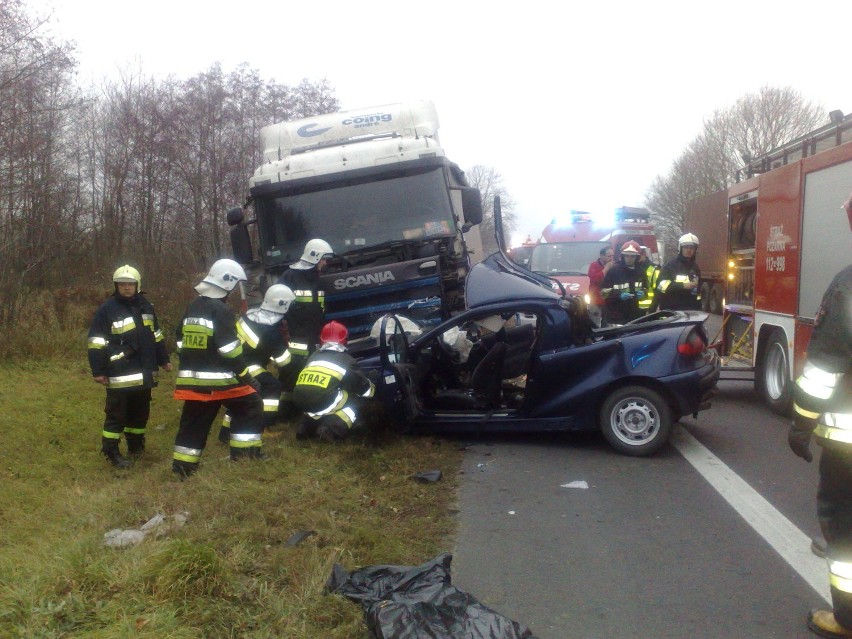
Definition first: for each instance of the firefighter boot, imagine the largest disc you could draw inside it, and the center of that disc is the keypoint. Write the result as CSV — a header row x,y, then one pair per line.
x,y
252,452
109,448
823,623
306,428
183,469
135,445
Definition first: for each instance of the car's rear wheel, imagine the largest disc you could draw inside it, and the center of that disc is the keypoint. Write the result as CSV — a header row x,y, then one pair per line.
x,y
636,420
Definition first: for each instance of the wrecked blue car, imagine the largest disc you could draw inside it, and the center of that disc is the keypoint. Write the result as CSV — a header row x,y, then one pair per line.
x,y
524,357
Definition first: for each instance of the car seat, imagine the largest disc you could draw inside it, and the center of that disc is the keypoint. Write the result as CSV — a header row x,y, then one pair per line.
x,y
485,385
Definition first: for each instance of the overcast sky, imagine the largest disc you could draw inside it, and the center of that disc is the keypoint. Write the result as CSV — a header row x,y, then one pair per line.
x,y
577,105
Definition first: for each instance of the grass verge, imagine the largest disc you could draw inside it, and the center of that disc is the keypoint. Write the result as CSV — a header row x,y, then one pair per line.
x,y
229,571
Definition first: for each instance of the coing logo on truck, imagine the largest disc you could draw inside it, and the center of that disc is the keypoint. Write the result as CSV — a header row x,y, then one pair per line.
x,y
363,280
308,132
362,121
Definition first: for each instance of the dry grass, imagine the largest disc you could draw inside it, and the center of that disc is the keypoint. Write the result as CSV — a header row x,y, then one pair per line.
x,y
229,571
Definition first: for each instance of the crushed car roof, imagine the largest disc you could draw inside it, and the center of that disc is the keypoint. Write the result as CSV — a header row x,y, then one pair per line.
x,y
497,280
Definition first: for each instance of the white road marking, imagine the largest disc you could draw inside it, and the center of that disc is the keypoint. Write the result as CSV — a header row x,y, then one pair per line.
x,y
792,544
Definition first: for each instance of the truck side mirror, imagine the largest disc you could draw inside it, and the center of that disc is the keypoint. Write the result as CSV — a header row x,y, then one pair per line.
x,y
471,205
241,243
235,216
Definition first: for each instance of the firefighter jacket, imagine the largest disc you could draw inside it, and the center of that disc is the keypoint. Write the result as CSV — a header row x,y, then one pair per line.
x,y
596,276
306,316
262,343
652,274
329,378
822,395
670,291
622,288
126,343
212,364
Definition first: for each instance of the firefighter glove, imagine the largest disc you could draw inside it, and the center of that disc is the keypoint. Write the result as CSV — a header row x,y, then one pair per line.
x,y
640,294
626,296
800,442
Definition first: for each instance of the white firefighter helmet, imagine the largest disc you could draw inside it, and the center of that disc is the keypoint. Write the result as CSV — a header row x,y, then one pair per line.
x,y
315,250
630,248
223,275
127,273
278,299
686,240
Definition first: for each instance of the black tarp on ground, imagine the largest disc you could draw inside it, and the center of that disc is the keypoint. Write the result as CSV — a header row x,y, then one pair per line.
x,y
419,602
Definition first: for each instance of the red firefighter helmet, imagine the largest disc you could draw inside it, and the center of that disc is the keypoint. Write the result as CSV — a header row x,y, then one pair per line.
x,y
334,333
630,248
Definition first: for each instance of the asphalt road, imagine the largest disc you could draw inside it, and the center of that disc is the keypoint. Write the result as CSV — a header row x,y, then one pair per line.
x,y
709,538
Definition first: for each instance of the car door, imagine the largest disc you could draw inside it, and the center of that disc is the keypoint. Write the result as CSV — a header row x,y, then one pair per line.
x,y
399,375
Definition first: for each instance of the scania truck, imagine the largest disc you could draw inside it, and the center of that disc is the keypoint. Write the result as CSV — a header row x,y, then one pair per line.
x,y
376,185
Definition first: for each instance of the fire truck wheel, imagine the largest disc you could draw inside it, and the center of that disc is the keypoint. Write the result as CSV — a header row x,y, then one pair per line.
x,y
715,301
774,375
636,420
705,297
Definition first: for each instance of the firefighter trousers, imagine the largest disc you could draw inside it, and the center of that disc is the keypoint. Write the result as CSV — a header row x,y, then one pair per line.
x,y
127,412
834,509
196,419
270,393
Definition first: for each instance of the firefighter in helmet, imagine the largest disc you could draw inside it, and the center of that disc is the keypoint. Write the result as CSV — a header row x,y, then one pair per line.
x,y
306,316
677,284
623,287
330,387
259,330
213,373
822,399
126,347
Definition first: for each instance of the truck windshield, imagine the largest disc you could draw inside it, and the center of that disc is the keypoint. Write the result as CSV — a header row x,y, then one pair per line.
x,y
565,258
356,216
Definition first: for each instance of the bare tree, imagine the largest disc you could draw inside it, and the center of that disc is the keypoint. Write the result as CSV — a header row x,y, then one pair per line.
x,y
754,125
36,96
490,185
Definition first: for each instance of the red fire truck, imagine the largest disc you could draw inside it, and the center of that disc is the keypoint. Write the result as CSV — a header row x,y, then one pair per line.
x,y
787,238
568,245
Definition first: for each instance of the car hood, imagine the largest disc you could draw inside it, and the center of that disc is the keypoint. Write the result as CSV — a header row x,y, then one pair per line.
x,y
497,280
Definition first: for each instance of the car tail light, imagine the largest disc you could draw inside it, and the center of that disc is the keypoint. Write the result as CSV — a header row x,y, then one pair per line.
x,y
693,343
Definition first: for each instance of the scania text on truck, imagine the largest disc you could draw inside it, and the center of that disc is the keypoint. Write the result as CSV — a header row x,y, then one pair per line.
x,y
787,238
570,243
376,185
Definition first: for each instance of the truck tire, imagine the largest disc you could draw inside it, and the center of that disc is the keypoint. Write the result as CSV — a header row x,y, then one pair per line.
x,y
715,301
636,420
773,376
705,297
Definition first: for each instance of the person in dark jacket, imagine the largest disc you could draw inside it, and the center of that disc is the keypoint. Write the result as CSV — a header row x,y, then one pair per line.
x,y
822,400
677,284
623,286
306,316
126,348
259,329
213,373
329,388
